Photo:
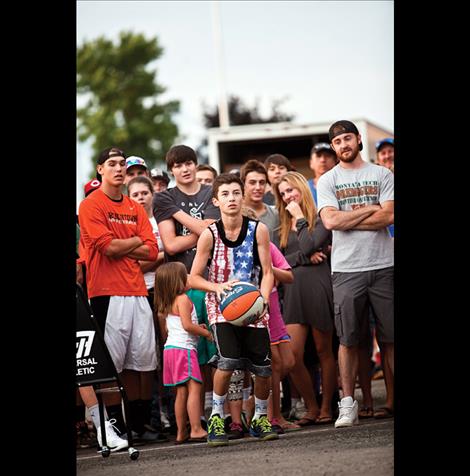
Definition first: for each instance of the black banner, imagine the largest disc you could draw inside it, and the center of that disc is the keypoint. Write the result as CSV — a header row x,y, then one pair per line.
x,y
94,364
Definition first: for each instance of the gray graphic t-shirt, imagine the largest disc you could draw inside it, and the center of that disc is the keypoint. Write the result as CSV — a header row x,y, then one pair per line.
x,y
199,205
348,189
271,219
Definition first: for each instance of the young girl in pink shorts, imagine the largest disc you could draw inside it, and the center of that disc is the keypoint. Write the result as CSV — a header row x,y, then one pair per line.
x,y
180,331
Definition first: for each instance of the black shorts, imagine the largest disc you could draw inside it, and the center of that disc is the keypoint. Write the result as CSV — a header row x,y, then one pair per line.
x,y
243,348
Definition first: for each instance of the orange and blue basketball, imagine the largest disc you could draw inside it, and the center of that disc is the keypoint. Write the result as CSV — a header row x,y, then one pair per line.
x,y
242,304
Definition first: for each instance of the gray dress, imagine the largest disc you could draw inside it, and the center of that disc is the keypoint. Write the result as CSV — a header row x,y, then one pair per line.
x,y
309,299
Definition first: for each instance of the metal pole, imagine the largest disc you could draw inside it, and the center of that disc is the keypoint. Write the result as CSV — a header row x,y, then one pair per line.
x,y
219,60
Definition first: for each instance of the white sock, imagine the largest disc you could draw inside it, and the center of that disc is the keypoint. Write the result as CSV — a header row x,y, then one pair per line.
x,y
261,408
347,402
218,404
294,401
95,415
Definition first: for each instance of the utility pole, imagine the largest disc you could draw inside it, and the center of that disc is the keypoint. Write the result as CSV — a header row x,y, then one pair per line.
x,y
219,61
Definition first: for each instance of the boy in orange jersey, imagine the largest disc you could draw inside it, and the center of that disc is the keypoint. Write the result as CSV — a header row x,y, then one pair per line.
x,y
117,233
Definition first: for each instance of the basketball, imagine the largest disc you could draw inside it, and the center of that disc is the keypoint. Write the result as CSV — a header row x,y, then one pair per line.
x,y
241,305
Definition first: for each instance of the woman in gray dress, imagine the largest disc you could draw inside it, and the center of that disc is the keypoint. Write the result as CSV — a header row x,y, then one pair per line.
x,y
308,301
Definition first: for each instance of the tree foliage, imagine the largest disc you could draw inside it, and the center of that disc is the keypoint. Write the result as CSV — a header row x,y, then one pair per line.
x,y
241,114
121,93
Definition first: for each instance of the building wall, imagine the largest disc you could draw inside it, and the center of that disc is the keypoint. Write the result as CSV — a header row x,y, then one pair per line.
x,y
230,148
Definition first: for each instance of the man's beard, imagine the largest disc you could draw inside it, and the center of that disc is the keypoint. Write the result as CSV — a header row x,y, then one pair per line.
x,y
352,157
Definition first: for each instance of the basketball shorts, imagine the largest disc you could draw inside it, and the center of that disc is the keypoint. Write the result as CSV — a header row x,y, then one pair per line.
x,y
129,334
243,348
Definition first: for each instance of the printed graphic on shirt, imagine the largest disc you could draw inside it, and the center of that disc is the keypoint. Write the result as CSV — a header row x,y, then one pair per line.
x,y
357,194
242,260
195,212
122,218
232,263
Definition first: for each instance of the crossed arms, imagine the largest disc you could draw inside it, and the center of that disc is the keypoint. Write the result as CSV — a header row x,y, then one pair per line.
x,y
131,247
370,217
175,244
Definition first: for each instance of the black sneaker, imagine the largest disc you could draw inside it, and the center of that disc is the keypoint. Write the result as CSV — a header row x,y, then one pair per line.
x,y
216,435
227,423
261,428
85,437
235,431
149,435
203,424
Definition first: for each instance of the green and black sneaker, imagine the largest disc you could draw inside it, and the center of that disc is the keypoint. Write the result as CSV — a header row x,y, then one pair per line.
x,y
216,435
261,428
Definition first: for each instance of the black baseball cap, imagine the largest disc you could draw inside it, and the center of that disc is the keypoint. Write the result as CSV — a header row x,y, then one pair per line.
x,y
108,153
160,174
343,127
322,146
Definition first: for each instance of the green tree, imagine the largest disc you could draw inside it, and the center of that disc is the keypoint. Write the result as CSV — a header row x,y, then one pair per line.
x,y
121,94
239,114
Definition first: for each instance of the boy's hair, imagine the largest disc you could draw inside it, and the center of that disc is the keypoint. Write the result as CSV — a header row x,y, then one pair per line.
x,y
206,167
278,159
170,282
140,179
225,179
178,154
253,165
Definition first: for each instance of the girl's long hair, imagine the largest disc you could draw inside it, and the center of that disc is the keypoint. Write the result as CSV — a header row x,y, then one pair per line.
x,y
307,205
170,282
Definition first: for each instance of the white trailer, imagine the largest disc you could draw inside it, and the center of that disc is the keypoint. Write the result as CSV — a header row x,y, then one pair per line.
x,y
231,147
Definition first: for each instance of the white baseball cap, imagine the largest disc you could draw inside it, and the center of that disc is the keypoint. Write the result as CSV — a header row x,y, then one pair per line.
x,y
134,160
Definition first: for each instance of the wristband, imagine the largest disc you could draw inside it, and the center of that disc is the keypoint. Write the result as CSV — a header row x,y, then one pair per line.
x,y
300,223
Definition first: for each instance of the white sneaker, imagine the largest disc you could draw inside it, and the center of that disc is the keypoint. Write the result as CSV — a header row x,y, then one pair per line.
x,y
348,413
300,409
114,442
164,420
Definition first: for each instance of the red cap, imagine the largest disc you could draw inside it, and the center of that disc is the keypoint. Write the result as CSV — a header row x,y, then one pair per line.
x,y
91,186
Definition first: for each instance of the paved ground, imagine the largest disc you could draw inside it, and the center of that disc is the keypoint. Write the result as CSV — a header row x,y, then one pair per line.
x,y
365,449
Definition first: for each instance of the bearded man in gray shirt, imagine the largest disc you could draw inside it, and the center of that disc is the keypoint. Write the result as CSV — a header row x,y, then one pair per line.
x,y
356,201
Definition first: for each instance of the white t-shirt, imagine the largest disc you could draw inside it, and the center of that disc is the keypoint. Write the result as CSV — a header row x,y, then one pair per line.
x,y
149,276
177,336
345,190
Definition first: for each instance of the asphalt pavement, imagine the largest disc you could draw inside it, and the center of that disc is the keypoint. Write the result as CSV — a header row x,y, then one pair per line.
x,y
365,449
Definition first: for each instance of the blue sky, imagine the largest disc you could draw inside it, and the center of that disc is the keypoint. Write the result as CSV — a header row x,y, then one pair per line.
x,y
330,59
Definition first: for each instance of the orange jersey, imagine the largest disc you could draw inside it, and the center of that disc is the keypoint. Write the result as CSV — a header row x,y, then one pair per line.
x,y
81,251
101,221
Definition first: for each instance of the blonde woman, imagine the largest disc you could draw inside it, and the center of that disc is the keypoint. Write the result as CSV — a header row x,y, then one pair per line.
x,y
308,301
